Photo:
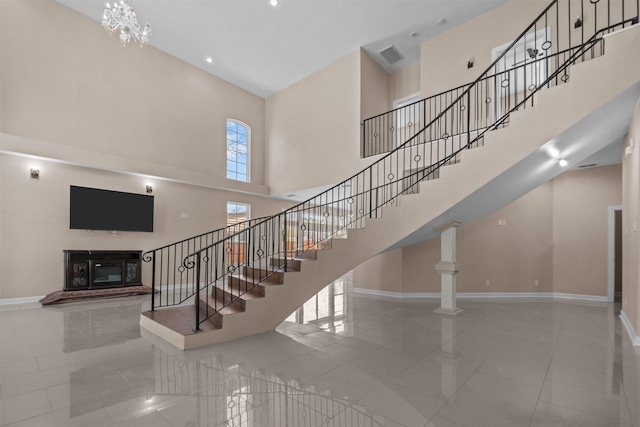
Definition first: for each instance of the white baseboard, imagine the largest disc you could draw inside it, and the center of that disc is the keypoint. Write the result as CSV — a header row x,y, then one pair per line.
x,y
400,295
23,300
483,295
635,339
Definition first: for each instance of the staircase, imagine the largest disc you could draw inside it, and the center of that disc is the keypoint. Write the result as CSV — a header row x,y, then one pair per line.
x,y
249,281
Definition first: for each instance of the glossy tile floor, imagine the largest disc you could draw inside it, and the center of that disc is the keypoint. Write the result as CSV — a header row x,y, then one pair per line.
x,y
341,360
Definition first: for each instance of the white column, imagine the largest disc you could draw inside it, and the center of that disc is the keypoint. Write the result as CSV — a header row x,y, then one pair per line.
x,y
448,268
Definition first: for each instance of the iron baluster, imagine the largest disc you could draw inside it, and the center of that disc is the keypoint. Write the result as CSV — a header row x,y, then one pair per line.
x,y
153,282
197,326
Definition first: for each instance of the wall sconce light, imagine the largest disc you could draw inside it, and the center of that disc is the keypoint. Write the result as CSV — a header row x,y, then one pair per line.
x,y
35,173
578,22
149,189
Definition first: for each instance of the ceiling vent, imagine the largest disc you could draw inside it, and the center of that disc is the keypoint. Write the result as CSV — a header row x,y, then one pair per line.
x,y
391,54
590,165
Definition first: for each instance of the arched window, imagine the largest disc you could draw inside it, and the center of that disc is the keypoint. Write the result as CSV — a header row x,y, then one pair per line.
x,y
238,138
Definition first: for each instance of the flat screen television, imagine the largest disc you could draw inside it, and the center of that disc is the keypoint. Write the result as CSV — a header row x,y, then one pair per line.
x,y
95,209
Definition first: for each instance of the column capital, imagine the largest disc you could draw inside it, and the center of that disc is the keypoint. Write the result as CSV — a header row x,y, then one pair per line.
x,y
454,223
447,267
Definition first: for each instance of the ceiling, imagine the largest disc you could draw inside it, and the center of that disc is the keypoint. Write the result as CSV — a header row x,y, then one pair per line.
x,y
265,49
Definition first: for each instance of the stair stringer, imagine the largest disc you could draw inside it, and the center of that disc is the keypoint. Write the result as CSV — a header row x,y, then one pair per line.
x,y
558,109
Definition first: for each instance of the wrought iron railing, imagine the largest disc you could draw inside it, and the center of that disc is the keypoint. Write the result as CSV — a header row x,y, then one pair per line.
x,y
524,68
232,397
486,104
171,283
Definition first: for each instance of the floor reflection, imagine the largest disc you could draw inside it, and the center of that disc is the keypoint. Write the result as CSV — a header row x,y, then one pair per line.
x,y
248,399
98,324
329,309
340,360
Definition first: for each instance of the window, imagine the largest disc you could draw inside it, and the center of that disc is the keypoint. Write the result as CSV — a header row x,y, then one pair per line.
x,y
238,137
237,213
236,248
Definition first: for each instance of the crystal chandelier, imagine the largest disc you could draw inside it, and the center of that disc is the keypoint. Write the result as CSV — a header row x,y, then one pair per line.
x,y
121,17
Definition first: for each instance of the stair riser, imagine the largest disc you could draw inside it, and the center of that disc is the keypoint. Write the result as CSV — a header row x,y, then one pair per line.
x,y
245,286
292,265
268,275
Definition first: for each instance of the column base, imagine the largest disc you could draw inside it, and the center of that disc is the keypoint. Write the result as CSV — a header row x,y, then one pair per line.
x,y
449,311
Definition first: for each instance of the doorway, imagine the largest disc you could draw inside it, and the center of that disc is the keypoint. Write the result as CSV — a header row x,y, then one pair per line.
x,y
614,289
407,118
521,70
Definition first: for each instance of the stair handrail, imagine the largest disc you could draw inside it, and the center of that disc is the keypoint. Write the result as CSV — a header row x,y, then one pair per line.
x,y
193,243
383,129
578,51
315,225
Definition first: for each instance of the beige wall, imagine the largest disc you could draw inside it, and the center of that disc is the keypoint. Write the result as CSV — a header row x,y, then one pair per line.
x,y
404,82
580,228
64,80
630,223
34,219
312,121
556,234
374,87
382,273
443,59
89,112
512,256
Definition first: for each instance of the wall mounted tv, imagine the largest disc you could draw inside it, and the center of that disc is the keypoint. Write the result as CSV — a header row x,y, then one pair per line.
x,y
95,209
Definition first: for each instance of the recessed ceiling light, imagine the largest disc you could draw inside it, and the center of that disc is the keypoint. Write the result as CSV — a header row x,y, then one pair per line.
x,y
209,60
415,34
441,21
274,3
563,162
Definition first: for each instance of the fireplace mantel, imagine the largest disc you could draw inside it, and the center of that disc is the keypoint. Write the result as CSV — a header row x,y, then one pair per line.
x,y
101,269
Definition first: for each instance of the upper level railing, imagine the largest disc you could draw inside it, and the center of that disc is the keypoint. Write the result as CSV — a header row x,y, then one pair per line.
x,y
486,104
525,67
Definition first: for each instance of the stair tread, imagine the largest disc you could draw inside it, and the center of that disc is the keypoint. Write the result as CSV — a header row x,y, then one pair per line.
x,y
234,291
214,303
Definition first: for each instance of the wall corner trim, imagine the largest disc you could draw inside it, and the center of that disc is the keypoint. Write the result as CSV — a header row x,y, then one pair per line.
x,y
635,339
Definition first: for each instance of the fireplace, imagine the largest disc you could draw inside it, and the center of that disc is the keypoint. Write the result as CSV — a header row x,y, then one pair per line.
x,y
101,269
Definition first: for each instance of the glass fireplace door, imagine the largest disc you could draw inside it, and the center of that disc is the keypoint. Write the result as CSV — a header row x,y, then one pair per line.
x,y
107,273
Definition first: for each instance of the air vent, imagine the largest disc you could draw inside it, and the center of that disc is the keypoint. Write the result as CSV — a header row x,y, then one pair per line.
x,y
590,165
391,54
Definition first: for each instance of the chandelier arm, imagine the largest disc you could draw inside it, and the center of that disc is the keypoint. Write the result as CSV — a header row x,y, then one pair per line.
x,y
121,17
